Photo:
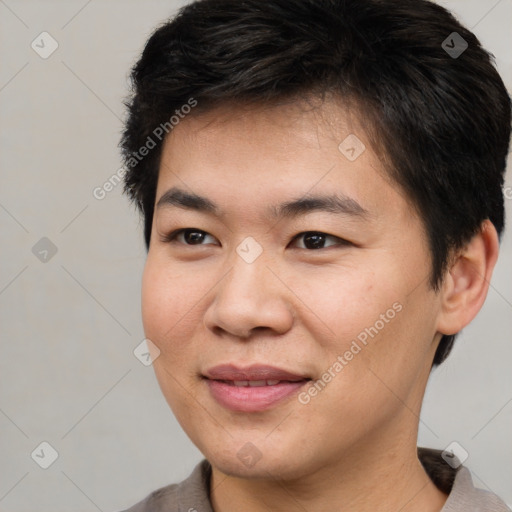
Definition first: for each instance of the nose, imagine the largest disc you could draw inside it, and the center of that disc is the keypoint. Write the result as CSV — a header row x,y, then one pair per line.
x,y
249,298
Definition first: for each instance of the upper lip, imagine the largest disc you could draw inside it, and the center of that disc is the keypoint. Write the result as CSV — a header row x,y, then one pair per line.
x,y
232,372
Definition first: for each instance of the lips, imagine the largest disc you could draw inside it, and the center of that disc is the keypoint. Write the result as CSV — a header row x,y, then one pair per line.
x,y
252,389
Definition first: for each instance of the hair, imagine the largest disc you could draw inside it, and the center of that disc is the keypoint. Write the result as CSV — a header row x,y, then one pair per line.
x,y
442,121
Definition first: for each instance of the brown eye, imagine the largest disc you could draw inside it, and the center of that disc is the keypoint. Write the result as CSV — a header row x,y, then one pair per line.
x,y
188,236
317,240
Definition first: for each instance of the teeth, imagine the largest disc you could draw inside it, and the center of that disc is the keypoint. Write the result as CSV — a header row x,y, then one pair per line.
x,y
255,383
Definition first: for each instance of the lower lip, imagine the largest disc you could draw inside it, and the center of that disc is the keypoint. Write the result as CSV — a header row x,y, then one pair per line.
x,y
249,398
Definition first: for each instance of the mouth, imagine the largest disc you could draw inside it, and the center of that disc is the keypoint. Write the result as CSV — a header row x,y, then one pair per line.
x,y
252,383
252,389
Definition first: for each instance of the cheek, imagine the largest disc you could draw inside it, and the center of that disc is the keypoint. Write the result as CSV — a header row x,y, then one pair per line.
x,y
168,304
347,301
155,303
372,317
169,318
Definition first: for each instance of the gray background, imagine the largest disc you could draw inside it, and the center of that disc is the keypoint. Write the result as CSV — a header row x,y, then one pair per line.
x,y
69,325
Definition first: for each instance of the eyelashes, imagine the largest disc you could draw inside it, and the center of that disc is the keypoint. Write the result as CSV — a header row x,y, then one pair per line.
x,y
313,240
316,238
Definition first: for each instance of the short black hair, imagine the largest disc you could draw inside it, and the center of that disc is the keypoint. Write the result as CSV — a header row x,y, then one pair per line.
x,y
441,120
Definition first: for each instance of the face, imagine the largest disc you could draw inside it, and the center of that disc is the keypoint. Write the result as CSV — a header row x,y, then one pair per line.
x,y
286,288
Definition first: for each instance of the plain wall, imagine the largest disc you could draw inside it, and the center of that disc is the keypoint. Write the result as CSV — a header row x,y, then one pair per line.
x,y
69,325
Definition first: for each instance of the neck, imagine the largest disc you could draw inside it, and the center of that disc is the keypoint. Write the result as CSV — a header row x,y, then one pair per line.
x,y
361,481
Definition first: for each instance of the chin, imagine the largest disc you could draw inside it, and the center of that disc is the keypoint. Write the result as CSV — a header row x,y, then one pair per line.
x,y
252,459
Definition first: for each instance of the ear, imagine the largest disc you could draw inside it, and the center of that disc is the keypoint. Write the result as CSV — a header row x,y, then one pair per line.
x,y
466,284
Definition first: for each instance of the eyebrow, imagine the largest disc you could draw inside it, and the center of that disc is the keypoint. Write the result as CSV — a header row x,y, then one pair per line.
x,y
334,203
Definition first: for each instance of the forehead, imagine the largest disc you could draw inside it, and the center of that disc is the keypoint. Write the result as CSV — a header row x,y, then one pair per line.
x,y
255,156
299,126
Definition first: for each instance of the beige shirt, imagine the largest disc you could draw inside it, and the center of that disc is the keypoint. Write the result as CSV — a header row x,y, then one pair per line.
x,y
192,495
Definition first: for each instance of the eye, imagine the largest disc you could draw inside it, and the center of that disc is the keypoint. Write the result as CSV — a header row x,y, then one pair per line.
x,y
312,240
188,236
317,240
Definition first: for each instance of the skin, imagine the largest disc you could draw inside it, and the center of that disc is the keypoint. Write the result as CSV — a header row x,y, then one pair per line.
x,y
353,446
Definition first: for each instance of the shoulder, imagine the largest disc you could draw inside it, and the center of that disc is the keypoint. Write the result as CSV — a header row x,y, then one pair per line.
x,y
161,499
456,481
464,496
191,495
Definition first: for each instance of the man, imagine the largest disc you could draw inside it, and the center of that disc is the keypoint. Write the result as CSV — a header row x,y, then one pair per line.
x,y
321,185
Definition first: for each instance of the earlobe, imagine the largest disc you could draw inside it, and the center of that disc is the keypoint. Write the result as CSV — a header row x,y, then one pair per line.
x,y
467,282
